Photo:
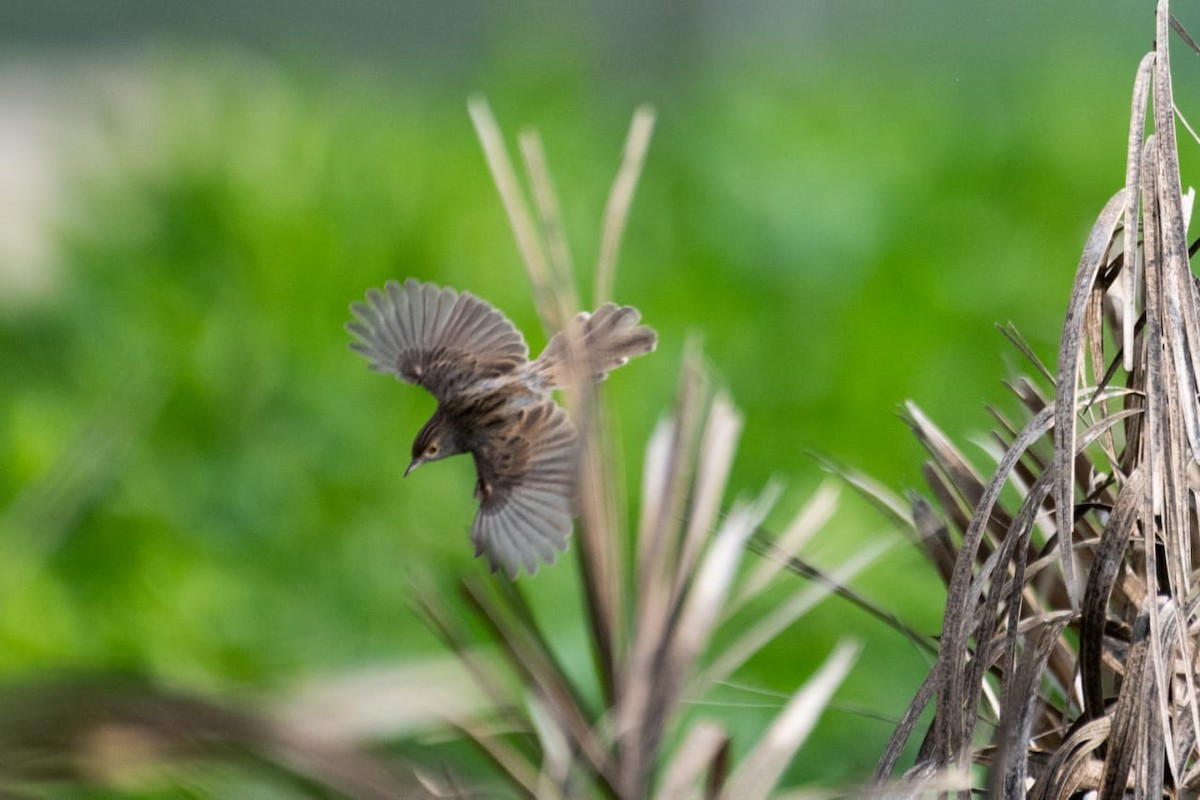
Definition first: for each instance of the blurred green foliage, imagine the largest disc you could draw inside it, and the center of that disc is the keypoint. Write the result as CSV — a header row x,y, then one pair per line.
x,y
203,484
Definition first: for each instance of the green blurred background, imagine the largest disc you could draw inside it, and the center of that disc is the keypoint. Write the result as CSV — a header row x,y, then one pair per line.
x,y
199,481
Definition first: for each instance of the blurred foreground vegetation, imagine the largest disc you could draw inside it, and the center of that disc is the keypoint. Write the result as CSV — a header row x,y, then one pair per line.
x,y
202,484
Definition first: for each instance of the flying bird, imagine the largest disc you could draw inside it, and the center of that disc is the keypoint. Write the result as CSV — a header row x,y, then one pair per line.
x,y
496,404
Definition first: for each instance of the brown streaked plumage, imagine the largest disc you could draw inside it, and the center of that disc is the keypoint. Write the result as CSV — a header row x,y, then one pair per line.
x,y
495,403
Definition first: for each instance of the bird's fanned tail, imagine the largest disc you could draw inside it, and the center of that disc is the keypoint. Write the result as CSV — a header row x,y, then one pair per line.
x,y
607,338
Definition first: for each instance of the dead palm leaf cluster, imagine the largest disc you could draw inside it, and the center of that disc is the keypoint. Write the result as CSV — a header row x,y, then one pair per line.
x,y
1067,660
651,613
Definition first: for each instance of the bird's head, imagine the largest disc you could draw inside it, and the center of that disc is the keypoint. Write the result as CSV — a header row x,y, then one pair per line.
x,y
435,441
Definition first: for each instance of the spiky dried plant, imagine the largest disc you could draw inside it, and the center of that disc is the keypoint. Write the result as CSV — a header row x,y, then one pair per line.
x,y
652,614
1067,660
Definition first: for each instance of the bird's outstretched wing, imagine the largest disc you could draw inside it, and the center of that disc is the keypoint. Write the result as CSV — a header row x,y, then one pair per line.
x,y
437,338
527,482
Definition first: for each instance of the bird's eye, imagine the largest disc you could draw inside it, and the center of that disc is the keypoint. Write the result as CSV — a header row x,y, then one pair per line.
x,y
432,449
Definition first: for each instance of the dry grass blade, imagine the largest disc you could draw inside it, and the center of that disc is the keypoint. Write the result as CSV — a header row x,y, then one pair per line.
x,y
599,556
529,242
1125,738
714,578
557,755
716,460
786,613
551,226
813,516
1017,718
1018,341
757,775
667,480
514,764
620,200
838,583
888,502
1109,554
904,729
1074,768
953,739
700,752
1177,26
948,459
1133,180
1069,359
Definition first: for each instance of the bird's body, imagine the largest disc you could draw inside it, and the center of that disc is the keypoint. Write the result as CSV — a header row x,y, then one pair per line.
x,y
482,418
496,404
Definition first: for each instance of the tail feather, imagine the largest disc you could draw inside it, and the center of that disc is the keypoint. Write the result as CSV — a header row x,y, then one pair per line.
x,y
607,338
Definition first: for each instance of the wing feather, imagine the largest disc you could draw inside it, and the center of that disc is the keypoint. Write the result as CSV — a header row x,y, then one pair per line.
x,y
437,338
527,496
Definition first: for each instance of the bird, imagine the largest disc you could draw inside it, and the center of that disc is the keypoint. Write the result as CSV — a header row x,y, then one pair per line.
x,y
496,404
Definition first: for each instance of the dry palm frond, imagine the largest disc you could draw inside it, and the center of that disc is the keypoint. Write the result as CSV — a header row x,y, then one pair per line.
x,y
653,642
1071,617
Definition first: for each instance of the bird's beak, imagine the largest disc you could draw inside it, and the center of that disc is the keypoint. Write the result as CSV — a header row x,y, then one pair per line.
x,y
416,462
